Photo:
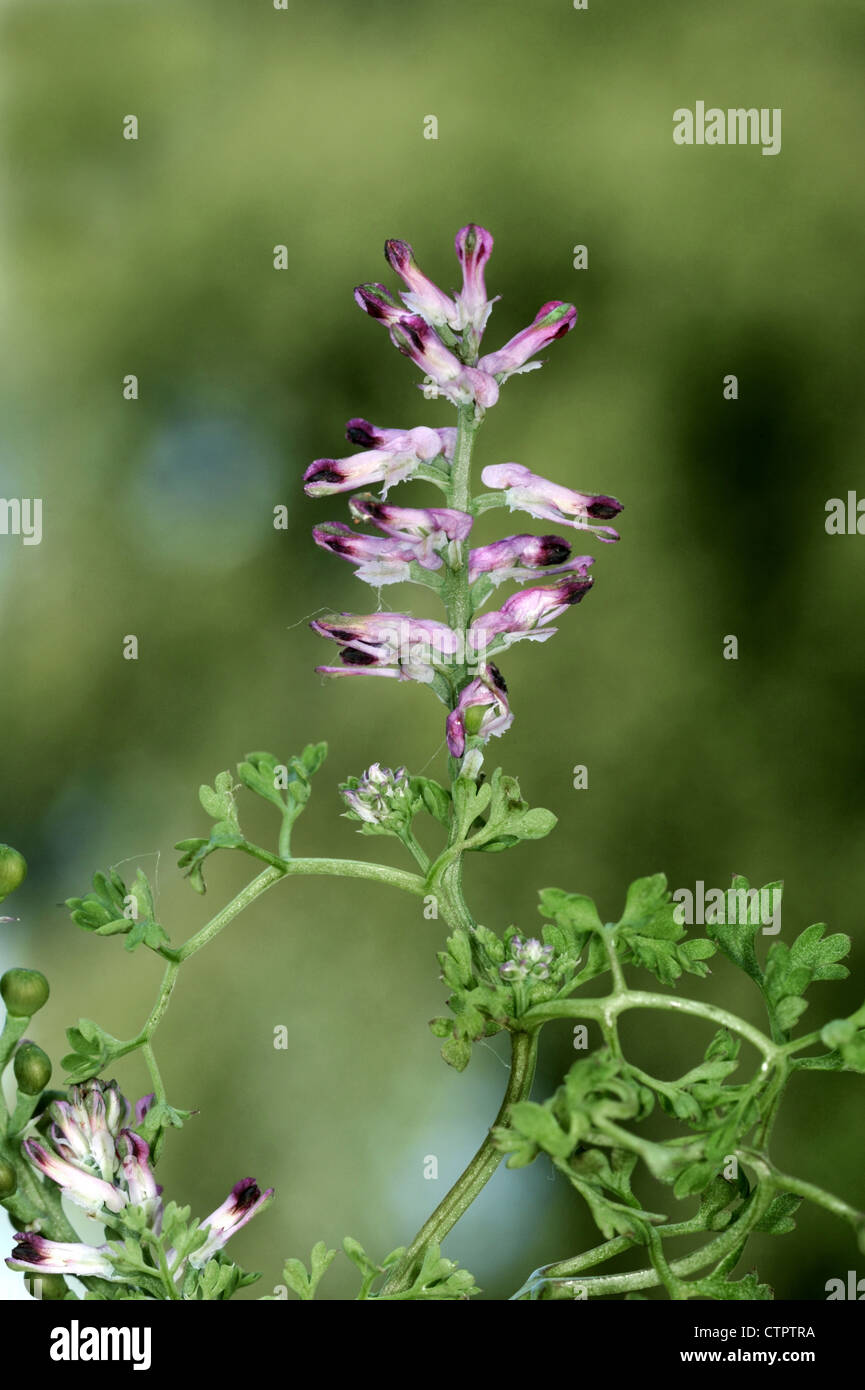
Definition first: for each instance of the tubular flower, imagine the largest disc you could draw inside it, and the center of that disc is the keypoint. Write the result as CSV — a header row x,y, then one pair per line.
x,y
409,648
416,339
81,1186
378,561
525,614
133,1185
521,557
474,246
366,436
243,1203
553,320
423,296
429,528
528,492
391,463
137,1174
42,1256
482,710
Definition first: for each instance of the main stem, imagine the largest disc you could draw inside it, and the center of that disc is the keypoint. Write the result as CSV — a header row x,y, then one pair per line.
x,y
524,1048
458,608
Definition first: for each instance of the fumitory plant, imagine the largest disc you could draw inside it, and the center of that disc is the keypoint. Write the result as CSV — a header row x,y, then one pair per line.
x,y
709,1131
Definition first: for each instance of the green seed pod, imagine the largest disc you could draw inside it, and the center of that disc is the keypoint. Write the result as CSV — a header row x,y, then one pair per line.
x,y
24,992
8,1180
32,1068
13,870
50,1288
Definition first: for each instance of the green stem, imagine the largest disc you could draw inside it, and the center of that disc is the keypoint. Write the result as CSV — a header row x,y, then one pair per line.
x,y
599,1254
603,1285
335,868
606,1010
13,1031
478,1172
807,1190
455,589
155,1075
417,851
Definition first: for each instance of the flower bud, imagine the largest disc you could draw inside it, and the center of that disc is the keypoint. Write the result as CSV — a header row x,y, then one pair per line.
x,y
8,1180
423,296
13,870
378,302
32,1068
530,960
482,711
474,247
380,797
24,992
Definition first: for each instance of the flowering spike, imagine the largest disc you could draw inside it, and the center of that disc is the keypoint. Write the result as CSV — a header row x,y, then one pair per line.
x,y
441,334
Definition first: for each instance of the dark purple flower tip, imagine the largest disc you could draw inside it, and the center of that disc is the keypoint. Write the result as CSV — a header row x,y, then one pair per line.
x,y
337,542
350,656
30,1249
323,471
412,334
496,678
552,550
377,301
575,590
362,433
398,254
245,1194
604,508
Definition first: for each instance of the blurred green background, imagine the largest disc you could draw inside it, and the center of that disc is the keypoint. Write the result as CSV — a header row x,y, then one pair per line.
x,y
305,127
